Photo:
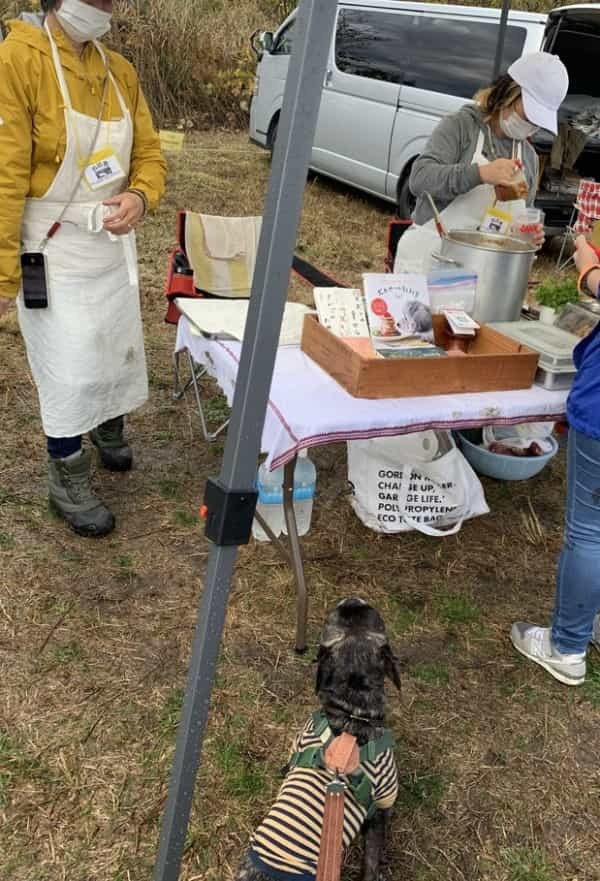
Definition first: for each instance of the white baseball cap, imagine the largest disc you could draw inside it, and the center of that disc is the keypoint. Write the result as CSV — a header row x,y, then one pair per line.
x,y
544,84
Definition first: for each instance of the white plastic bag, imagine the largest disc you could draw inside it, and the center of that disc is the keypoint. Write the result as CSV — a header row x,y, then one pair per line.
x,y
418,481
520,435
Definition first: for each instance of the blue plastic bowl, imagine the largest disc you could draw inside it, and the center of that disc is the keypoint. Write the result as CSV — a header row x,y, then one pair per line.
x,y
497,465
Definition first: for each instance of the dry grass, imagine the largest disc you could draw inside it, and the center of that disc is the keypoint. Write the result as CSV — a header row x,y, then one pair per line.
x,y
499,766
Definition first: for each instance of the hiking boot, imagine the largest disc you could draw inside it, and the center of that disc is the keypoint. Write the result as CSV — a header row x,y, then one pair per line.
x,y
71,497
115,452
535,643
595,640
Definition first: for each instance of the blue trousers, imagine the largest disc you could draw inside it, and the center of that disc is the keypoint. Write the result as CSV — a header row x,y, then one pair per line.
x,y
578,581
61,447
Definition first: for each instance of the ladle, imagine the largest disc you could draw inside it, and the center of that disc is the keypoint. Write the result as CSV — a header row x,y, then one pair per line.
x,y
436,216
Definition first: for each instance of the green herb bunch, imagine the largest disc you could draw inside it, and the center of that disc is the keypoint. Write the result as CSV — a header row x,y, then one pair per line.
x,y
557,293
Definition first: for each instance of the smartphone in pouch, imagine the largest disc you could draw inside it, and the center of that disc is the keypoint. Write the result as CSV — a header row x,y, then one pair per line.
x,y
34,280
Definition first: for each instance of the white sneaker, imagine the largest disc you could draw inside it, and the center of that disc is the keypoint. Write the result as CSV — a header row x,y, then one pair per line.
x,y
595,640
535,643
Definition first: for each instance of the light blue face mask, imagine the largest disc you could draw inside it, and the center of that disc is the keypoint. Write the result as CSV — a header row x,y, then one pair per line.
x,y
82,22
517,128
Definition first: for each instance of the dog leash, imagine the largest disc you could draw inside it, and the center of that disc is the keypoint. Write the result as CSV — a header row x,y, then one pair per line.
x,y
342,756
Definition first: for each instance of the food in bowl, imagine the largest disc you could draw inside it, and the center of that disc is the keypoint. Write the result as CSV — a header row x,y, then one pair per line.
x,y
534,449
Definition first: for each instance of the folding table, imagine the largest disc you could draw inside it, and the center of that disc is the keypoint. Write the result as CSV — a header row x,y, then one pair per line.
x,y
307,408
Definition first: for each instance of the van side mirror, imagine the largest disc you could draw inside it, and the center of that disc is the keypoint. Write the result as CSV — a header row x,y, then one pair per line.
x,y
266,41
261,42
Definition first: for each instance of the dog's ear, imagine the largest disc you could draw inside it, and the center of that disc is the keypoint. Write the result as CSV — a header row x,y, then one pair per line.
x,y
391,665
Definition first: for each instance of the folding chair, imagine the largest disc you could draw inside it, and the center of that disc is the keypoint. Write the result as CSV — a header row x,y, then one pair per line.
x,y
209,261
585,213
214,257
396,229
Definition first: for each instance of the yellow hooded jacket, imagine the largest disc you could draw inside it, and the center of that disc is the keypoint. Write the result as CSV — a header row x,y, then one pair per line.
x,y
32,127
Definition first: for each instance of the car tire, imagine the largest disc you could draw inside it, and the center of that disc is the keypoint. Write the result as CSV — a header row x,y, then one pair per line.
x,y
406,200
273,135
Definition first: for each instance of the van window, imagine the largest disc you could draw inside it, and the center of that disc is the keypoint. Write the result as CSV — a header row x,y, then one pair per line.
x,y
579,51
285,40
441,54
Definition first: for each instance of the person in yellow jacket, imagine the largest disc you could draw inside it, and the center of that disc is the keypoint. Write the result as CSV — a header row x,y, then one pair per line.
x,y
80,165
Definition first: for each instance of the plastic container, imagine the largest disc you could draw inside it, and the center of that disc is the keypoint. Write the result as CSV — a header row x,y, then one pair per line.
x,y
527,223
555,346
452,288
496,464
270,502
554,380
305,484
577,319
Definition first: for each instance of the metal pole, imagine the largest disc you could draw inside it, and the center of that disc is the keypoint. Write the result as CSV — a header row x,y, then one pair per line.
x,y
283,208
501,39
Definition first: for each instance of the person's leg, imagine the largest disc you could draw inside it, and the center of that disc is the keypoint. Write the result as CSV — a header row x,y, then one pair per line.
x,y
578,582
63,447
69,490
561,650
109,438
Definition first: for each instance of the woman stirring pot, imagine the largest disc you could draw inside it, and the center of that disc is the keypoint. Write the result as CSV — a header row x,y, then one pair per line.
x,y
476,156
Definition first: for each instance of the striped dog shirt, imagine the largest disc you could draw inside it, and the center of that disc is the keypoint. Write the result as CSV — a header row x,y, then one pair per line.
x,y
286,844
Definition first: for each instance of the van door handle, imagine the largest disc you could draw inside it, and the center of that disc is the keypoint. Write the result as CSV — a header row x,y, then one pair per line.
x,y
328,75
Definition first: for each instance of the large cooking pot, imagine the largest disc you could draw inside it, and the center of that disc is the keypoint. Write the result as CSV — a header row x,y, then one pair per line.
x,y
502,264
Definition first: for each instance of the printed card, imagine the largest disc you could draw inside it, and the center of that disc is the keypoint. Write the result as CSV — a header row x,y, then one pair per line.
x,y
342,311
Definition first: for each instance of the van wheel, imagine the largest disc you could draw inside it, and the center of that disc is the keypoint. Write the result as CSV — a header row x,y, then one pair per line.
x,y
406,200
273,135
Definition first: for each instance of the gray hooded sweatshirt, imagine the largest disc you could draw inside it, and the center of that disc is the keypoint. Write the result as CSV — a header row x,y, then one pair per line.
x,y
445,169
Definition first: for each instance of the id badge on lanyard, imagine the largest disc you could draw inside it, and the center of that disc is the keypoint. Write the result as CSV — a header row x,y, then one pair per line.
x,y
102,168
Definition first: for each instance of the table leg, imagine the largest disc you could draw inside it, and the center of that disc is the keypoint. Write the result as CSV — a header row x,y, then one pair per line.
x,y
296,552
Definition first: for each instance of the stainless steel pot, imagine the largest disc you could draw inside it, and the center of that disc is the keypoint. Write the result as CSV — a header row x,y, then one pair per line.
x,y
502,264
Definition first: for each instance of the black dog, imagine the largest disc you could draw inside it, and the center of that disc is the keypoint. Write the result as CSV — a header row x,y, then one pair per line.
x,y
354,658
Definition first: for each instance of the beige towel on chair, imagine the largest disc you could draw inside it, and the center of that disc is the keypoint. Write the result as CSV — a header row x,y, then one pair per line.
x,y
222,252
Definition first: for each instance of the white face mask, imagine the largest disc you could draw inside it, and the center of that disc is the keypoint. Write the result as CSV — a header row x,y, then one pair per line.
x,y
517,128
82,22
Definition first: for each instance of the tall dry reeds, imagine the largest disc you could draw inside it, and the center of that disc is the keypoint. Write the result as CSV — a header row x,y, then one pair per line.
x,y
194,57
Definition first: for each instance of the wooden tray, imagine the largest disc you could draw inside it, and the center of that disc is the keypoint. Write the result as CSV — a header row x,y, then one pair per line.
x,y
493,363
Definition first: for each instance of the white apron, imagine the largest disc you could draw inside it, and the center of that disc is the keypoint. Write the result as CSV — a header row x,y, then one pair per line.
x,y
86,350
465,212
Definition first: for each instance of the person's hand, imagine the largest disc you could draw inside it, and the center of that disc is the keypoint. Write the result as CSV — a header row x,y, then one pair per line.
x,y
128,211
538,236
585,257
5,305
499,173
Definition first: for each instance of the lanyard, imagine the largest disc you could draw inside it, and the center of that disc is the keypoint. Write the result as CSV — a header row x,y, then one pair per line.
x,y
69,107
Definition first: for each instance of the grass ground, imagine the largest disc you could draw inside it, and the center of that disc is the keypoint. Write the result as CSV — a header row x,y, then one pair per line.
x,y
499,764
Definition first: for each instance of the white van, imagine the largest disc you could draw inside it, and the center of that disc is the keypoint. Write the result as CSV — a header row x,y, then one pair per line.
x,y
395,68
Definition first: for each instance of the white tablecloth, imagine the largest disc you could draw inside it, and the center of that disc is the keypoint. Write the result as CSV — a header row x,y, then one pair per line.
x,y
308,408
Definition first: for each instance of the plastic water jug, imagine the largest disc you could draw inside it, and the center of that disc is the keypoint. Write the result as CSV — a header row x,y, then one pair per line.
x,y
270,502
305,484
